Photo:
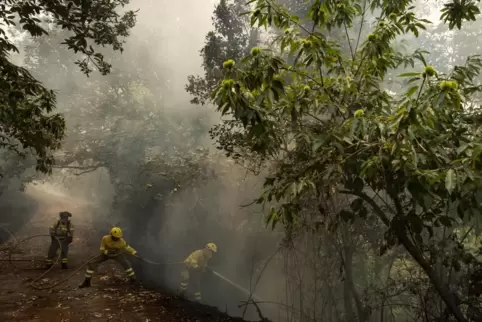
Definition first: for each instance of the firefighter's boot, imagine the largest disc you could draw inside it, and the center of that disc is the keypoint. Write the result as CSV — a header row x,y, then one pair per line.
x,y
132,280
86,283
65,266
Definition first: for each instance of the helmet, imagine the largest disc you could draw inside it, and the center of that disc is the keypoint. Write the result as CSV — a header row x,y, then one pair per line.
x,y
212,247
65,214
116,232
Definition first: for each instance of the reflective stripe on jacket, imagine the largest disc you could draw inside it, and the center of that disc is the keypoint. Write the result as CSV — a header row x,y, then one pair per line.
x,y
115,246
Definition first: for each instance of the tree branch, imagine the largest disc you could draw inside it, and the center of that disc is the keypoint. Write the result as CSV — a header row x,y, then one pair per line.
x,y
86,169
400,231
371,202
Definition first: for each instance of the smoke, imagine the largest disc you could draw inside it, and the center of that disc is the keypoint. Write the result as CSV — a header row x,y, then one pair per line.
x,y
190,217
16,210
168,222
242,243
162,51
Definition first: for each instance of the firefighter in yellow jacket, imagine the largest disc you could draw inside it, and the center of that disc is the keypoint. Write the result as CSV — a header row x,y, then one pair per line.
x,y
114,247
194,265
61,235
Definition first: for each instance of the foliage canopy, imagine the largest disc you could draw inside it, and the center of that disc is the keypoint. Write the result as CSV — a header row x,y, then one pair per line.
x,y
324,117
27,122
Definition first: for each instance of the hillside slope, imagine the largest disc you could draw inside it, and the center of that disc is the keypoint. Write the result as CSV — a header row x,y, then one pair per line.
x,y
110,297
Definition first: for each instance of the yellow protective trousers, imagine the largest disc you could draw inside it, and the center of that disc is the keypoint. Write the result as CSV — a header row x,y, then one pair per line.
x,y
194,275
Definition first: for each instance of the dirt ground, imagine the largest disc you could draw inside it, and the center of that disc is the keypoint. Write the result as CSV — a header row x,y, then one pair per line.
x,y
109,299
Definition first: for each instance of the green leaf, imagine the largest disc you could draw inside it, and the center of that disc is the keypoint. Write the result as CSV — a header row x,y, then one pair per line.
x,y
318,142
353,127
450,181
460,212
462,148
418,192
427,200
253,20
446,221
358,184
409,74
416,223
478,197
412,91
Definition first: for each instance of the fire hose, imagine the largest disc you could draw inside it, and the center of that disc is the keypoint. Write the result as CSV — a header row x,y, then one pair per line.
x,y
10,261
14,246
239,287
32,284
223,278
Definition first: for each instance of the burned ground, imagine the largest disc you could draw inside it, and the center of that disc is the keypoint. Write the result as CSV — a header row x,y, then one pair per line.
x,y
109,298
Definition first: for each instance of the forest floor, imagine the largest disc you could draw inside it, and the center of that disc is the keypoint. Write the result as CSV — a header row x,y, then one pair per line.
x,y
109,299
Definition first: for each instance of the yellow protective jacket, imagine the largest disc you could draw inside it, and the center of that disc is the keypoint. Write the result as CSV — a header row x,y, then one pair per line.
x,y
198,259
115,247
60,230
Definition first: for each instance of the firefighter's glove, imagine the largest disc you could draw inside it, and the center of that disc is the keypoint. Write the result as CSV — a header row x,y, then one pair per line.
x,y
106,252
195,266
53,239
70,239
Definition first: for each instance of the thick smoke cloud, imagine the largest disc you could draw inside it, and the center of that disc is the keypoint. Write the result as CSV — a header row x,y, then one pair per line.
x,y
167,40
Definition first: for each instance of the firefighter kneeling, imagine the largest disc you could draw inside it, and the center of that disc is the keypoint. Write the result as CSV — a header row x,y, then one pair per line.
x,y
61,235
111,247
194,265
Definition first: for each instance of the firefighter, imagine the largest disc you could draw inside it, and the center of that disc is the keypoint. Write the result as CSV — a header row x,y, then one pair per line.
x,y
61,235
194,265
113,247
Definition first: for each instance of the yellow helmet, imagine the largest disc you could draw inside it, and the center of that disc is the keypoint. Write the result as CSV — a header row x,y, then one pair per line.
x,y
116,232
212,247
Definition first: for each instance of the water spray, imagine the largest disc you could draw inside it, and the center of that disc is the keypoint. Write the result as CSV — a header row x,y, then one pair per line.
x,y
239,287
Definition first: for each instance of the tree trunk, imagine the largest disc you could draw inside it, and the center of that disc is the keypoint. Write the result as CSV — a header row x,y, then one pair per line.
x,y
349,284
348,301
400,227
441,288
401,233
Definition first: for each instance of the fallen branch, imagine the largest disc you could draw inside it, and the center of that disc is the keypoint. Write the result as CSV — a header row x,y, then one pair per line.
x,y
87,169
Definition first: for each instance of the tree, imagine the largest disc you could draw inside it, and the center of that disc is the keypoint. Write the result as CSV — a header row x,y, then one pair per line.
x,y
330,128
26,121
119,123
232,37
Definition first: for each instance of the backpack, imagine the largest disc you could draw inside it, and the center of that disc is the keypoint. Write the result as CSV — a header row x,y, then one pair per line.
x,y
58,224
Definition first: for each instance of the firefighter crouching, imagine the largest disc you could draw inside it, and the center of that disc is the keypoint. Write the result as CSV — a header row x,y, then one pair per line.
x,y
61,235
113,247
194,265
